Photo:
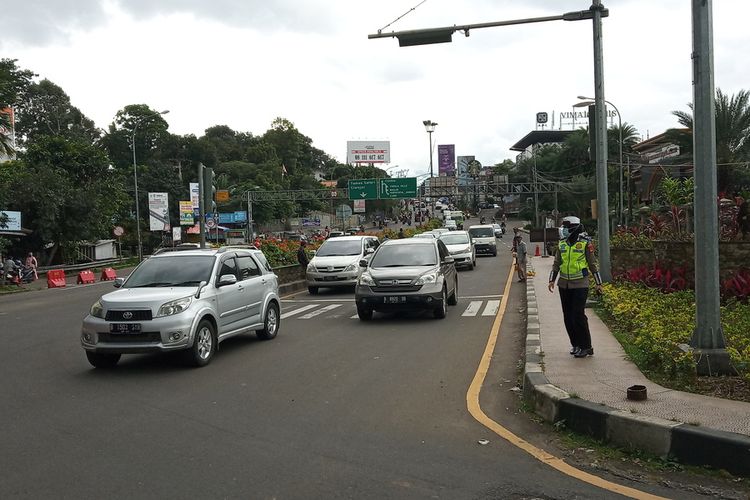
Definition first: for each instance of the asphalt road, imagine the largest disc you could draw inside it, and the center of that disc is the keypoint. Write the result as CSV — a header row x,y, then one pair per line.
x,y
331,408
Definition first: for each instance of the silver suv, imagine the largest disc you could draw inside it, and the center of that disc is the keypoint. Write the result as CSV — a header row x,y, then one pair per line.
x,y
336,263
188,300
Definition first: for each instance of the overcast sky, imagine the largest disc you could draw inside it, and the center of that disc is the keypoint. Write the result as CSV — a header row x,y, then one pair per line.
x,y
244,62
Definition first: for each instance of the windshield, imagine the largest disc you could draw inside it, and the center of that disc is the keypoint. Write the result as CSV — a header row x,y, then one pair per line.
x,y
405,255
175,270
454,239
339,247
481,232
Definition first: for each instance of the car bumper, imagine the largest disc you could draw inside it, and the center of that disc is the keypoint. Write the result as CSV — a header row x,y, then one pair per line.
x,y
154,336
427,297
463,259
485,248
332,279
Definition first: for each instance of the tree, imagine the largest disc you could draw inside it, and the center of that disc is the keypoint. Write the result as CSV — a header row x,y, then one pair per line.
x,y
13,84
46,110
732,137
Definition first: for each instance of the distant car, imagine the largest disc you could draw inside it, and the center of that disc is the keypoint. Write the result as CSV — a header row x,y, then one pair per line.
x,y
497,228
407,274
354,230
185,300
440,230
336,234
484,238
461,247
427,234
336,262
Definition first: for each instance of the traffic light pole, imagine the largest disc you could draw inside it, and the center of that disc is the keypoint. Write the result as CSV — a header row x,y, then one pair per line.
x,y
202,211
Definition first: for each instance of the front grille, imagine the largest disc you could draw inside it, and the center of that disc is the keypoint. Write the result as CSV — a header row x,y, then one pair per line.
x,y
127,338
335,269
138,315
396,289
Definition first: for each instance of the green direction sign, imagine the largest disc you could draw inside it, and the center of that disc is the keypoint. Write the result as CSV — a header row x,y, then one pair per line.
x,y
363,189
400,187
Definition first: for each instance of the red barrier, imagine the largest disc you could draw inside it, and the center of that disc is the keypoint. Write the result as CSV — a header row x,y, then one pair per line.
x,y
86,277
538,253
56,279
108,274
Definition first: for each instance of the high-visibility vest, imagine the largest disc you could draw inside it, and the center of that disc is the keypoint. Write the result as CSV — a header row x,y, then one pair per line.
x,y
573,260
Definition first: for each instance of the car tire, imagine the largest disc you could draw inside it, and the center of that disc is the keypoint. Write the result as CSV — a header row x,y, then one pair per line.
x,y
313,290
204,344
440,312
453,298
471,265
364,313
102,359
494,253
271,323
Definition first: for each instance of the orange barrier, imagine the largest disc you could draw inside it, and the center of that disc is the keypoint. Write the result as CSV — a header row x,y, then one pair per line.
x,y
538,253
86,277
108,274
56,279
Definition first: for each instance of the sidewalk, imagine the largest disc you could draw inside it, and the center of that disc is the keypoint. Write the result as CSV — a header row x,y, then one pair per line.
x,y
590,393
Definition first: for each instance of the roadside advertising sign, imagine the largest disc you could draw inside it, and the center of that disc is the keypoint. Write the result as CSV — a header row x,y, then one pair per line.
x,y
222,195
195,194
186,213
359,206
13,222
176,233
368,152
310,221
158,211
447,160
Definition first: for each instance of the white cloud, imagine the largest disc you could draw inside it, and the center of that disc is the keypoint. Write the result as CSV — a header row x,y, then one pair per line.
x,y
243,63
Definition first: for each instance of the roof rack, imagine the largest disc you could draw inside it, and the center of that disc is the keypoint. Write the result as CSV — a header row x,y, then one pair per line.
x,y
236,247
179,248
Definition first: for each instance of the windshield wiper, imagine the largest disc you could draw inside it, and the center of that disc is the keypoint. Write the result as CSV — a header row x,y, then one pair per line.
x,y
187,283
394,265
154,284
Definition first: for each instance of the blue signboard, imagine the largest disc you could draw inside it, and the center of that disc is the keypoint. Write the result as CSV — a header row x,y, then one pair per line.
x,y
232,217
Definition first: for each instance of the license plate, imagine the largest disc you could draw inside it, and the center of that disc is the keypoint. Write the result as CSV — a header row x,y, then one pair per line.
x,y
125,328
329,278
394,299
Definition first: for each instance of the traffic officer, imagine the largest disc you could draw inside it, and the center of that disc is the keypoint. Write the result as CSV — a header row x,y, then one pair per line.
x,y
574,262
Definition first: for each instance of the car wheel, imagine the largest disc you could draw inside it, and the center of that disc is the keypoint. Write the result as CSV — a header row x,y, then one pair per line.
x,y
313,290
102,360
494,253
271,323
441,311
453,298
204,344
364,313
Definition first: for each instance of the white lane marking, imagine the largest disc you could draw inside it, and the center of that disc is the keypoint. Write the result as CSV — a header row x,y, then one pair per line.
x,y
297,311
320,311
473,308
307,301
491,308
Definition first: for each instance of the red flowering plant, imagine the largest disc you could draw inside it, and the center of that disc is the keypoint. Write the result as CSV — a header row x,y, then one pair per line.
x,y
737,286
666,280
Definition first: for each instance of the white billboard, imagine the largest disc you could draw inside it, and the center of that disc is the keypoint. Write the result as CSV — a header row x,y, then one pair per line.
x,y
13,221
368,152
359,206
158,211
195,194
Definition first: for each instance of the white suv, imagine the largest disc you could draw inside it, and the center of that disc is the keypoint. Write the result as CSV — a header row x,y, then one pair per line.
x,y
187,300
336,263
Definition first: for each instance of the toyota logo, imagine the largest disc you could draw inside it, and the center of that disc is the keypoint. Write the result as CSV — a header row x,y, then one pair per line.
x,y
127,315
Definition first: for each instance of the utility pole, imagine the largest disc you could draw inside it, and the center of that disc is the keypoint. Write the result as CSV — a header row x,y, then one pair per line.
x,y
202,211
602,193
708,338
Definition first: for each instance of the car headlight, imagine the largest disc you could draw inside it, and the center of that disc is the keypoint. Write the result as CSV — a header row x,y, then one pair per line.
x,y
311,267
366,279
426,278
351,267
97,310
464,250
174,306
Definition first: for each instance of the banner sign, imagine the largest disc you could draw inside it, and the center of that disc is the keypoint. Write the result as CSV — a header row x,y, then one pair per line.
x,y
13,221
310,221
8,130
447,160
359,206
177,233
368,152
158,211
232,217
463,169
186,213
195,194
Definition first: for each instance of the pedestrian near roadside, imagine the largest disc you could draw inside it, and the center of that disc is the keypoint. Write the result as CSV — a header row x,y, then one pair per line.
x,y
9,269
32,263
574,262
401,233
520,254
302,255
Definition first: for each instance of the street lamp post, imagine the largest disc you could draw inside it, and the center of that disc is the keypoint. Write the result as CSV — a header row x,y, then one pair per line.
x,y
429,126
587,102
135,180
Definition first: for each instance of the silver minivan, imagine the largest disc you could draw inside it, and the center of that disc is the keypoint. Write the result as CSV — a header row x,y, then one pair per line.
x,y
188,300
336,262
484,238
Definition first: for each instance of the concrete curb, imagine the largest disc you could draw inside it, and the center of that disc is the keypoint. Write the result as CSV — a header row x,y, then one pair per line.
x,y
665,438
292,286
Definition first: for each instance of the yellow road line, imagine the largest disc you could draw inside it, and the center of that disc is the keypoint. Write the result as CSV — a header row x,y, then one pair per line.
x,y
472,402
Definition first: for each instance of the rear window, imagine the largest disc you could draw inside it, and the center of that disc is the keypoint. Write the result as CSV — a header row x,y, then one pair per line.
x,y
481,232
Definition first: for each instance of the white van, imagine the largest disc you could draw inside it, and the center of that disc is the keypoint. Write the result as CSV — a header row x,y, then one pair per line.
x,y
484,238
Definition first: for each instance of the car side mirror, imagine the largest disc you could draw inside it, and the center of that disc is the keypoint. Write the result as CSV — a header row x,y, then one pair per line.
x,y
313,252
363,263
118,282
449,260
370,251
227,279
